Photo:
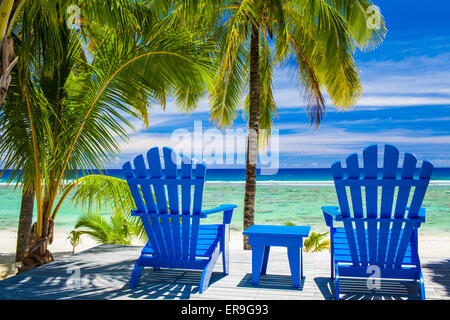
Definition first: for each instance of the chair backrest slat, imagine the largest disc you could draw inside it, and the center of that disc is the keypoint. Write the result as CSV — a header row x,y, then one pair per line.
x,y
370,156
419,194
172,192
136,193
383,237
390,163
416,203
409,165
157,191
197,207
341,193
358,212
154,162
186,172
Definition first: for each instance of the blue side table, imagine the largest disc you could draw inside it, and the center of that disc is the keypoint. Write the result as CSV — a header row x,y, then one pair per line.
x,y
261,237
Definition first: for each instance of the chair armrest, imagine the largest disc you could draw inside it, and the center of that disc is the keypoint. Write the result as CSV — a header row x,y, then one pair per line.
x,y
227,208
420,214
330,213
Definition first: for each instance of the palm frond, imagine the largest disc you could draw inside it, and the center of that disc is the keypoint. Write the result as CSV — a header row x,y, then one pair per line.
x,y
102,192
315,242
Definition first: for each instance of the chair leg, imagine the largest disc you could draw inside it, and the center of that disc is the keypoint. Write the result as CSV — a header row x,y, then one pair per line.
x,y
332,265
336,288
207,271
422,286
225,249
136,274
332,253
336,285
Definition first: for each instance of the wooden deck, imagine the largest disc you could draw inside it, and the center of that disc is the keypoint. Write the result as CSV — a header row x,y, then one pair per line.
x,y
103,272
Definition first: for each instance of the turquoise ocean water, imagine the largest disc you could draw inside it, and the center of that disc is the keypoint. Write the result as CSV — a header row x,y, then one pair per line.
x,y
292,195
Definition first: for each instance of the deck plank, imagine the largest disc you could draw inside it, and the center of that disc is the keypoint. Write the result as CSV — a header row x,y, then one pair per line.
x,y
103,272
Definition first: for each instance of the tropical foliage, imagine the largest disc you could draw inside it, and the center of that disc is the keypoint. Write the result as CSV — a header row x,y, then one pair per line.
x,y
74,92
97,194
115,231
314,39
315,242
74,238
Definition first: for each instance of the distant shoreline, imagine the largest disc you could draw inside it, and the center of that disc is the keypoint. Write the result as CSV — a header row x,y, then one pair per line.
x,y
305,183
312,183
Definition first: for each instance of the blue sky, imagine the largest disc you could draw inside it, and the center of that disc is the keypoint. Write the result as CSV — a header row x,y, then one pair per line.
x,y
406,99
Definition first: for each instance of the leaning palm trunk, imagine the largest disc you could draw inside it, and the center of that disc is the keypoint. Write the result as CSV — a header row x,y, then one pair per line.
x,y
38,254
9,9
25,221
253,131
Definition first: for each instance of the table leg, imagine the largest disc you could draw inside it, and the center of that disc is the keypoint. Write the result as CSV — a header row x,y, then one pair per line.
x,y
294,263
257,260
265,259
301,262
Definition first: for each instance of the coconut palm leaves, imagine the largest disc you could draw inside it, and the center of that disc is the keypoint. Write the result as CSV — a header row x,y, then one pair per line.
x,y
315,39
115,231
315,242
76,93
97,193
100,193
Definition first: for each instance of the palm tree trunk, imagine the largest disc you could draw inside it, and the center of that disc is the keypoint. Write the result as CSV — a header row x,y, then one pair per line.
x,y
25,220
8,13
253,130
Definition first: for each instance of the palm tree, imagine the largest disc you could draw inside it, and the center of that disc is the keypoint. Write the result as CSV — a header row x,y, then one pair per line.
x,y
70,100
316,39
9,13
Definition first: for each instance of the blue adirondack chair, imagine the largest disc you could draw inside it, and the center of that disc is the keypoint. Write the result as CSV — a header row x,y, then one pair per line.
x,y
176,238
377,240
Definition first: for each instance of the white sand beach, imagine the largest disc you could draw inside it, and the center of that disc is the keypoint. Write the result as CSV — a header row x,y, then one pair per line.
x,y
436,245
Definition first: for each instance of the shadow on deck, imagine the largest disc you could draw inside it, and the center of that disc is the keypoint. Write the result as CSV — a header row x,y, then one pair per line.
x,y
357,289
104,272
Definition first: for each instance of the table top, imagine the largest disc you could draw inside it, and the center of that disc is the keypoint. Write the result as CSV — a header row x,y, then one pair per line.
x,y
282,231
